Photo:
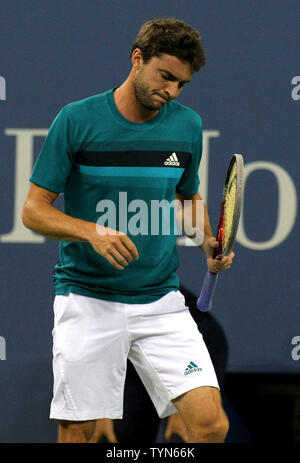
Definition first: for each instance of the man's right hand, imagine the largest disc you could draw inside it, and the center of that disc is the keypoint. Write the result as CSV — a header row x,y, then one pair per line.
x,y
116,247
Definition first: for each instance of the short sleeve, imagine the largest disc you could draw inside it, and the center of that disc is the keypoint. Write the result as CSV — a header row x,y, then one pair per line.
x,y
189,182
55,160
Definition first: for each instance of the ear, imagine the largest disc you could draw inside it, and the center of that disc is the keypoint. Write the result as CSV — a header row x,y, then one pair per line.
x,y
136,58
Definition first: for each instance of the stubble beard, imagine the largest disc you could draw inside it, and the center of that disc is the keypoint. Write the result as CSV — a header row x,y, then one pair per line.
x,y
142,94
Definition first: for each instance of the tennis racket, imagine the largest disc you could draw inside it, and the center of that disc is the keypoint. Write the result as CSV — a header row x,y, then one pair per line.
x,y
227,227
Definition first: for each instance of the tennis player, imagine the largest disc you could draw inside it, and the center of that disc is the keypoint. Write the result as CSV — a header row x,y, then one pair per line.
x,y
116,288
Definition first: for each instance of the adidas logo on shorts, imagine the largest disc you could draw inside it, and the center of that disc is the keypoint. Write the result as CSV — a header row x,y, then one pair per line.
x,y
192,368
172,160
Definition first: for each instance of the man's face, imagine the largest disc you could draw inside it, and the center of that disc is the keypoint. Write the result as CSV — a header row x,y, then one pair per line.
x,y
160,80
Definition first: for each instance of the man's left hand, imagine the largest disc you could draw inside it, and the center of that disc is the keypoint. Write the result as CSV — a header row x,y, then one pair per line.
x,y
218,264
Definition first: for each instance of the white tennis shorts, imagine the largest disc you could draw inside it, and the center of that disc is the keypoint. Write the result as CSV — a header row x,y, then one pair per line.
x,y
93,338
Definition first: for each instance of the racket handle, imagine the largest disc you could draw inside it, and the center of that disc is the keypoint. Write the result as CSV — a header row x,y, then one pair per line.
x,y
204,302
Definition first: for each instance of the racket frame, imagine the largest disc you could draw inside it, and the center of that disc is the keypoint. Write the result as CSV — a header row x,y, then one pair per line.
x,y
238,159
204,302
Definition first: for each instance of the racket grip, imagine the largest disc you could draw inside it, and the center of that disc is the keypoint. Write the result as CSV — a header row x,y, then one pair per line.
x,y
204,302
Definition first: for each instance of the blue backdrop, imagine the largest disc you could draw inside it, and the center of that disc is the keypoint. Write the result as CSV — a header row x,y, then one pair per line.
x,y
54,52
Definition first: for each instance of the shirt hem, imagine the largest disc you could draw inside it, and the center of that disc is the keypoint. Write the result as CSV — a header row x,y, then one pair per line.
x,y
125,299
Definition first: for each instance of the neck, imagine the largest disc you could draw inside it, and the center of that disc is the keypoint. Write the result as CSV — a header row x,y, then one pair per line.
x,y
129,106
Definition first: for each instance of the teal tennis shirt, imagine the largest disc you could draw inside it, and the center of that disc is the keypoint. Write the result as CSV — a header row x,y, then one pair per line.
x,y
123,175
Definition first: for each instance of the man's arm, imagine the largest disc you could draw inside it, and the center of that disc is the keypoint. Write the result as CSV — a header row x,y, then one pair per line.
x,y
202,228
41,216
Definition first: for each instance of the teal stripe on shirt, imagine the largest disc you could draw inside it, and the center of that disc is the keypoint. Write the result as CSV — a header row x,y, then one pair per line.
x,y
104,171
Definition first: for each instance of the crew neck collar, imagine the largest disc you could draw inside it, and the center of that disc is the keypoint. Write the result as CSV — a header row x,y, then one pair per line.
x,y
133,125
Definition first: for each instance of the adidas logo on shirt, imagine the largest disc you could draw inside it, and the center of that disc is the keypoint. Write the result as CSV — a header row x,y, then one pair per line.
x,y
172,160
192,368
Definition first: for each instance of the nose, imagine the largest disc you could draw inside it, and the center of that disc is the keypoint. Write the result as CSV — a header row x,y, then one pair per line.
x,y
171,89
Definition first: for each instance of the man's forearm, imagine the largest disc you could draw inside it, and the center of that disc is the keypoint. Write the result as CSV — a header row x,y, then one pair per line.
x,y
207,228
49,221
195,219
42,217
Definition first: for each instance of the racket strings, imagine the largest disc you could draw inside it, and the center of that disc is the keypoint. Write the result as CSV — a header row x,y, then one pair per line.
x,y
229,205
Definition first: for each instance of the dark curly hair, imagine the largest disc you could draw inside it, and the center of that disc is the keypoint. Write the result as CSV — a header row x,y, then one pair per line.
x,y
173,37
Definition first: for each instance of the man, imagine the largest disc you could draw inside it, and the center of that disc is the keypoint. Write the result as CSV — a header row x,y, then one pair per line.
x,y
116,288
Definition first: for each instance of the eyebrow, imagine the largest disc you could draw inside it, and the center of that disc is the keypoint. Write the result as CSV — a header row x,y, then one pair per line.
x,y
172,76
